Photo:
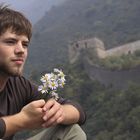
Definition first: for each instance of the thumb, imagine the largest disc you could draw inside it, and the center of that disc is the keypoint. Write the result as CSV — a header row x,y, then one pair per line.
x,y
38,103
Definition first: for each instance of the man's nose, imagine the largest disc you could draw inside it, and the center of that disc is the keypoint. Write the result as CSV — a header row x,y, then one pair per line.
x,y
19,48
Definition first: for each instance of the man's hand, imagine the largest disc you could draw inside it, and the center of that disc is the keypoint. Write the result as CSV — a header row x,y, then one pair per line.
x,y
55,113
32,114
29,117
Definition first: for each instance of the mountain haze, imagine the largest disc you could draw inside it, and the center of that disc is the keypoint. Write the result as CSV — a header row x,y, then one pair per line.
x,y
114,22
112,113
33,9
37,9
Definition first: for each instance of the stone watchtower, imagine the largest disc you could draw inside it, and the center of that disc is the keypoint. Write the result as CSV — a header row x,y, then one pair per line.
x,y
92,48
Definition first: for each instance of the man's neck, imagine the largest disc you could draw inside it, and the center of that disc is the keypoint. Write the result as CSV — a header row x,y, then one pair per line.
x,y
3,80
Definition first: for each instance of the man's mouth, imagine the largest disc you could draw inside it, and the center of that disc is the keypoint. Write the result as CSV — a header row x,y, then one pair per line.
x,y
18,61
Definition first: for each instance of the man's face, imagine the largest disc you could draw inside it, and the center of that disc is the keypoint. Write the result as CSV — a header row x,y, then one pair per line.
x,y
13,53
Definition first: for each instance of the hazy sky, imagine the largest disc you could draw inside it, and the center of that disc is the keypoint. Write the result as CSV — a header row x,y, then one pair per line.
x,y
33,9
17,3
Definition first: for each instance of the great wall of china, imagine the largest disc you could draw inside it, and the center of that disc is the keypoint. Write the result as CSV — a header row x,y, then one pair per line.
x,y
114,78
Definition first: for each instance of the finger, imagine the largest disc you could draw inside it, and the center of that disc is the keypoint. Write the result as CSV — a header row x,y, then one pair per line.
x,y
52,112
38,103
60,120
49,122
53,120
49,104
59,116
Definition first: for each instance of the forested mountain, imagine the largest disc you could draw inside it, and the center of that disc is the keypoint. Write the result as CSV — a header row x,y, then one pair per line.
x,y
114,22
112,114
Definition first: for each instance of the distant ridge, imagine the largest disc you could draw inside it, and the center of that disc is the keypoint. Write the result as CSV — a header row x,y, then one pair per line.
x,y
114,22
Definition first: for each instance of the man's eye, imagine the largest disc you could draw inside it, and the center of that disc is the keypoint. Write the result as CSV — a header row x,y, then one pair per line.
x,y
10,42
25,45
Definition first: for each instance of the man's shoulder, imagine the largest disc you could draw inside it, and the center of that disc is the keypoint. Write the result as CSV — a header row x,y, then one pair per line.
x,y
18,80
22,83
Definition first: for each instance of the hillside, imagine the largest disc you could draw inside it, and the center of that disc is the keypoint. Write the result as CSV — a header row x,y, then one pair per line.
x,y
114,22
112,114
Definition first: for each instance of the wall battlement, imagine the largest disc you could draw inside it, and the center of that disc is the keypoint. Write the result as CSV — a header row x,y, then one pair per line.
x,y
94,47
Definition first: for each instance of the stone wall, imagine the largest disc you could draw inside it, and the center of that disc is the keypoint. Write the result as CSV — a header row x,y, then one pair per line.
x,y
124,49
115,78
91,45
95,47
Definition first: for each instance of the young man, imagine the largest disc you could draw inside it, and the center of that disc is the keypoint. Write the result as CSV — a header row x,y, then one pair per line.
x,y
20,104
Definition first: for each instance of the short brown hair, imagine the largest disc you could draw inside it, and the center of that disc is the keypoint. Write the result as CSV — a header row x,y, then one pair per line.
x,y
11,19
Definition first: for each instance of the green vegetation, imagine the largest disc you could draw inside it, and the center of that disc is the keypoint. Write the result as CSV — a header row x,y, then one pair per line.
x,y
111,114
125,61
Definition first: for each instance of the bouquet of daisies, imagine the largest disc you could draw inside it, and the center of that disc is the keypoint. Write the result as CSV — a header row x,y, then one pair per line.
x,y
52,81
